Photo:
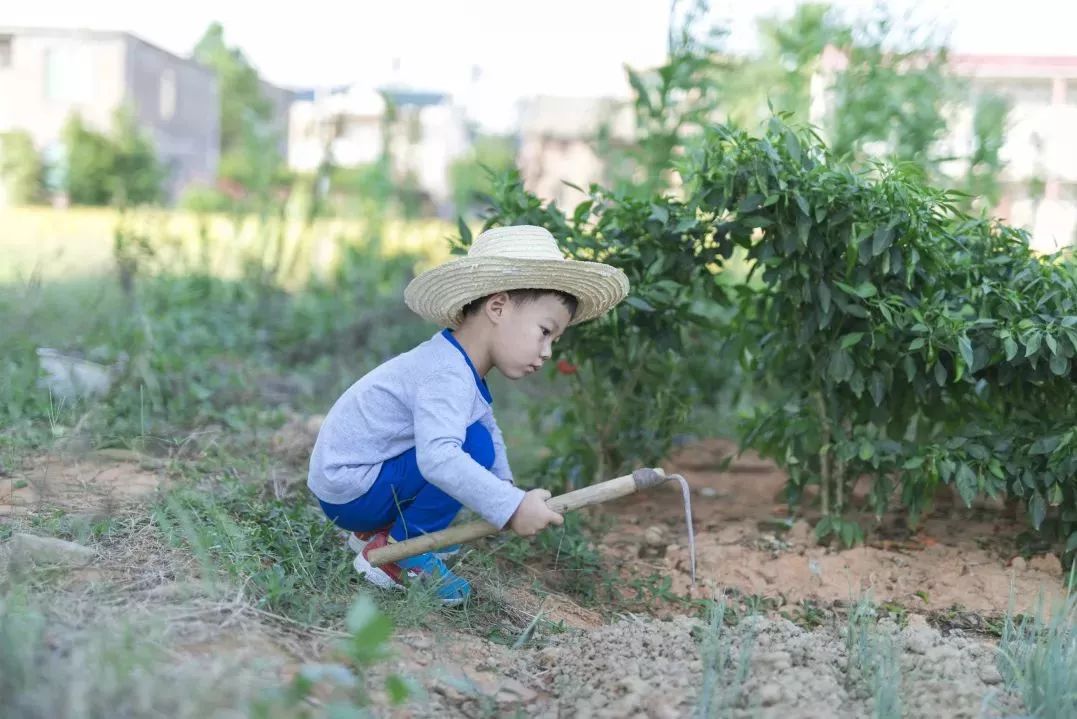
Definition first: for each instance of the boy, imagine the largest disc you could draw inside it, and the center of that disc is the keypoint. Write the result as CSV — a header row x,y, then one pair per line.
x,y
415,439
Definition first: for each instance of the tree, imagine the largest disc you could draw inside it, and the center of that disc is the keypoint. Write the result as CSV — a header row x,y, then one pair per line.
x,y
249,153
471,176
137,176
100,169
242,102
21,170
88,162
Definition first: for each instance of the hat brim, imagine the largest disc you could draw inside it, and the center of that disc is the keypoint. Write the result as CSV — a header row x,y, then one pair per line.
x,y
441,293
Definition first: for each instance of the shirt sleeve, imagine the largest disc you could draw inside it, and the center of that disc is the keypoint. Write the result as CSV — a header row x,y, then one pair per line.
x,y
442,403
501,468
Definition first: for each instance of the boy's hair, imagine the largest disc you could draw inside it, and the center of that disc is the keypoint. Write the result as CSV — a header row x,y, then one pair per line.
x,y
522,297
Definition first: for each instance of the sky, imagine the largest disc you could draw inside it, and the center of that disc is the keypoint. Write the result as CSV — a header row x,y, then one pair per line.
x,y
522,49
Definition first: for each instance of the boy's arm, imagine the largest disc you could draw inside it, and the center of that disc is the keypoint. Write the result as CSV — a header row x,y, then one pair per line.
x,y
501,468
440,429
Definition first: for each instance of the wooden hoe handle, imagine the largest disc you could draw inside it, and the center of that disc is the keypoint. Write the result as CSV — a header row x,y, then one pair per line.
x,y
643,478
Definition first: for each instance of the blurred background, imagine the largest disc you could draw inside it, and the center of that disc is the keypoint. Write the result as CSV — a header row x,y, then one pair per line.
x,y
395,107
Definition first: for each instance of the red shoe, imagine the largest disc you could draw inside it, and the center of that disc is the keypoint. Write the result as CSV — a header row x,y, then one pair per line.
x,y
358,540
449,588
386,576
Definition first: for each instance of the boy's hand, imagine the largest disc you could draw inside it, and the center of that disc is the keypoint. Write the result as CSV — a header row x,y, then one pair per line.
x,y
533,515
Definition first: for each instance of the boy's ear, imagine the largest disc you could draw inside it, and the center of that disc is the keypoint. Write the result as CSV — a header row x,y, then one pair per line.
x,y
495,306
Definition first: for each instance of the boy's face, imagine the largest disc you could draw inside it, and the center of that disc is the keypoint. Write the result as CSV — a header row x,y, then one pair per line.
x,y
524,333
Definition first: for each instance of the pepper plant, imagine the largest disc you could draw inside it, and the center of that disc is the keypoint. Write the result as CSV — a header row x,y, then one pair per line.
x,y
894,336
889,335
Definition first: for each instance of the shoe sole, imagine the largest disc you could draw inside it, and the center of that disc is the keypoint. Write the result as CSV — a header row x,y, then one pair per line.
x,y
380,579
374,575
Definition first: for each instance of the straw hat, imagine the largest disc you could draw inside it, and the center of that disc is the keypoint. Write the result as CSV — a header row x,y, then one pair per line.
x,y
514,258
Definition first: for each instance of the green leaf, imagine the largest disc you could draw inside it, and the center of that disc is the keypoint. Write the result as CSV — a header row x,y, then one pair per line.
x,y
1045,445
877,387
824,297
851,339
940,374
1037,510
792,146
1052,344
849,532
398,689
1060,365
370,630
750,202
882,239
917,343
1032,344
1071,543
965,345
865,290
465,235
847,289
867,451
802,204
639,303
856,383
1054,495
913,463
1011,348
841,366
966,484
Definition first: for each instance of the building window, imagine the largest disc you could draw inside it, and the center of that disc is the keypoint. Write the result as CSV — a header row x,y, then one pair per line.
x,y
166,99
6,41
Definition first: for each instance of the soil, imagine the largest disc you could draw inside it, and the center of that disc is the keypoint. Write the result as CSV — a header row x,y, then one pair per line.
x,y
944,574
649,668
94,483
958,563
747,541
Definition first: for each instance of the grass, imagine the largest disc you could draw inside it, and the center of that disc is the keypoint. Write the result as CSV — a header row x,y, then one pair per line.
x,y
1037,657
119,670
61,244
49,669
873,659
726,664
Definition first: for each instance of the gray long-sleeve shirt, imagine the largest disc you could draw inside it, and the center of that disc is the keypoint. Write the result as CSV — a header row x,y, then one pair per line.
x,y
424,398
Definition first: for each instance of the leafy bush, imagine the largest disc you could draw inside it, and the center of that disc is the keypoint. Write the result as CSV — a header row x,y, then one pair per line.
x,y
21,171
629,395
890,334
101,169
895,336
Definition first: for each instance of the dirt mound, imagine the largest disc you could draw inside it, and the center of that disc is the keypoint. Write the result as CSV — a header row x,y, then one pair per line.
x,y
747,541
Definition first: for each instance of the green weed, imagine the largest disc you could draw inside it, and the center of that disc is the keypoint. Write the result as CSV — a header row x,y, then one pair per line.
x,y
1037,657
